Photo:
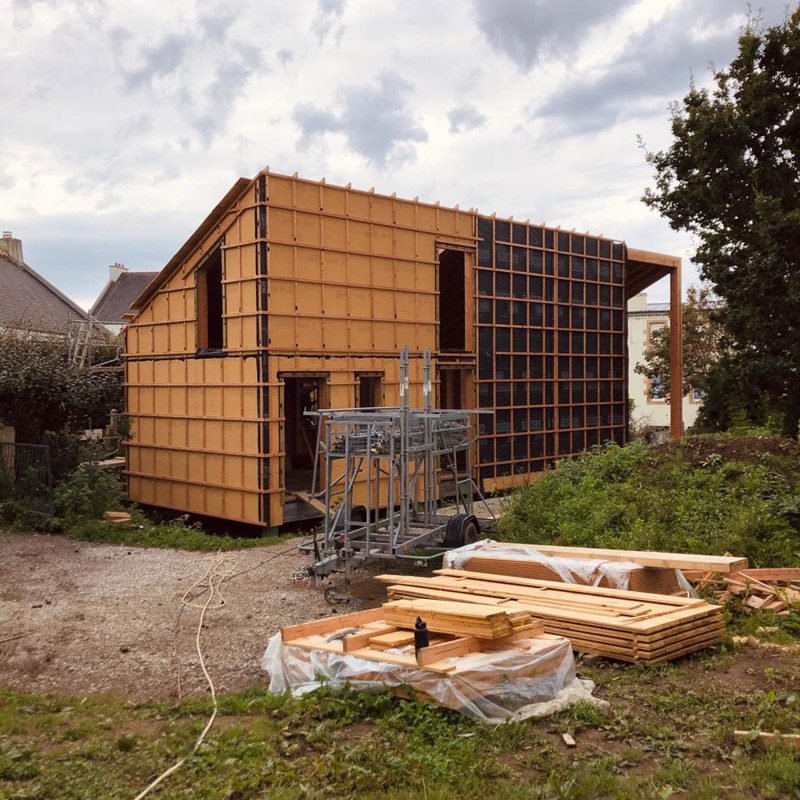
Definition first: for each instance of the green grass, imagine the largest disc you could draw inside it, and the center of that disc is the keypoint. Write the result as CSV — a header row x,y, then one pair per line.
x,y
667,732
144,533
706,495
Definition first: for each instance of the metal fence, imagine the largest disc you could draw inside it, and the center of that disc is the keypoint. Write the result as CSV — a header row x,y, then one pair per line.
x,y
24,469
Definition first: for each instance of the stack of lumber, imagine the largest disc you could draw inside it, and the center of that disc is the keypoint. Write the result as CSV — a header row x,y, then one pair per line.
x,y
464,619
648,571
387,634
517,672
629,626
762,589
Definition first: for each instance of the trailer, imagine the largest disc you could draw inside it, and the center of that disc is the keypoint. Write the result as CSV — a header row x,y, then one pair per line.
x,y
400,454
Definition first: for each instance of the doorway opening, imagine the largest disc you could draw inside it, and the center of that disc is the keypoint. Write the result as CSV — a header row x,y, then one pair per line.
x,y
452,301
301,393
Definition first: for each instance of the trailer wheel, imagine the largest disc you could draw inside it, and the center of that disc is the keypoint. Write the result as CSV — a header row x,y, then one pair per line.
x,y
461,529
358,514
471,530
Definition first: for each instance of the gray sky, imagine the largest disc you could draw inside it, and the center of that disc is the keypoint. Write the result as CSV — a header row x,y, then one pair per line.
x,y
124,123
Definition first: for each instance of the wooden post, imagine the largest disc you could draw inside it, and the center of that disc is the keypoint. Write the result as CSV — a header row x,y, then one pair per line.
x,y
675,353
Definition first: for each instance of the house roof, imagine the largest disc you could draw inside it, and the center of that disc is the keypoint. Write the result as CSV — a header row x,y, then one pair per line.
x,y
29,302
650,309
118,296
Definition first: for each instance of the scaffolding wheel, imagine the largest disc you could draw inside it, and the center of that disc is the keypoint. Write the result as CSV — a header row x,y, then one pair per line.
x,y
461,529
333,596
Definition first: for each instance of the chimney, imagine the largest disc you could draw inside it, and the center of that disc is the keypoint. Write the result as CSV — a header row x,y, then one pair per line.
x,y
115,270
10,246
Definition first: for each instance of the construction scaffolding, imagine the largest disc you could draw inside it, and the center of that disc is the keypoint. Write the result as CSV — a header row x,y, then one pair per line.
x,y
399,453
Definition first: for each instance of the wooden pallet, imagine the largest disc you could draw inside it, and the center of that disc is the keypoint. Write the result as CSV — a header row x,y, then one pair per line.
x,y
385,634
629,626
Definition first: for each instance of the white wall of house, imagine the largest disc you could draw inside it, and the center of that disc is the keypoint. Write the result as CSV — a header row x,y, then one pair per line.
x,y
648,409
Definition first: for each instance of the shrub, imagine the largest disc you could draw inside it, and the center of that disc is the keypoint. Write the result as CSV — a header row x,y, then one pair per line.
x,y
41,390
641,499
86,493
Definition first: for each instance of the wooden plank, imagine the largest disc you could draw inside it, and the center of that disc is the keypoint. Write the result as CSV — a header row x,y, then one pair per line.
x,y
361,639
306,498
645,558
443,616
573,588
767,739
387,641
331,624
781,574
457,647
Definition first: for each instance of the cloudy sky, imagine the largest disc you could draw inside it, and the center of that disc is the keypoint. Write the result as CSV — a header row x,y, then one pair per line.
x,y
124,123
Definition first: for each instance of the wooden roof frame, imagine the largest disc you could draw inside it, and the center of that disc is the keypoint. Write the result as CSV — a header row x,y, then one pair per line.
x,y
644,268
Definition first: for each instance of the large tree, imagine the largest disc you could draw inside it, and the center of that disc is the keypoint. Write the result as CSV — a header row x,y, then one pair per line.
x,y
732,178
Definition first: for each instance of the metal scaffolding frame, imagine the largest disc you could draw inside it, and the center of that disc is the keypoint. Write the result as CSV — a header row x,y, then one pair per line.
x,y
395,451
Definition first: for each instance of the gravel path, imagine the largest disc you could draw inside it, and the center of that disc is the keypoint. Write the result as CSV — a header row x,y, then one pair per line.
x,y
101,618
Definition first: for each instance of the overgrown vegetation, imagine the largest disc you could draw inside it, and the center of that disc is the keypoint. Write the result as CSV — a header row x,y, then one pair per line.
x,y
77,508
43,394
667,733
179,534
705,494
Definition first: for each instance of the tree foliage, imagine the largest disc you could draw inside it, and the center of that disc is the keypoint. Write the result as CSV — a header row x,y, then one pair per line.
x,y
42,393
703,344
731,177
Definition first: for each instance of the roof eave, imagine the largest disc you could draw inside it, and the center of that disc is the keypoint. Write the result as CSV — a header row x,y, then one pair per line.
x,y
200,233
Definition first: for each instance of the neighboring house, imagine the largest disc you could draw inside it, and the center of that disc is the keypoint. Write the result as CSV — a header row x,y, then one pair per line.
x,y
295,294
115,300
650,409
30,303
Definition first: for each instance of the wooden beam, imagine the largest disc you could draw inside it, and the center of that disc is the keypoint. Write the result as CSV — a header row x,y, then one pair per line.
x,y
331,624
437,652
766,739
645,558
675,354
361,639
651,257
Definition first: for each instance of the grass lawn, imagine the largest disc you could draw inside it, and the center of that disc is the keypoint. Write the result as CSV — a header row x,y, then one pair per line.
x,y
667,732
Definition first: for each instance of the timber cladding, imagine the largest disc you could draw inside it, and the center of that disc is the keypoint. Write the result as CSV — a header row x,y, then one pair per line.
x,y
295,294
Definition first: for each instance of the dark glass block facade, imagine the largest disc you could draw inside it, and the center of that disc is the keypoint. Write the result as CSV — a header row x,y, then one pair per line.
x,y
551,345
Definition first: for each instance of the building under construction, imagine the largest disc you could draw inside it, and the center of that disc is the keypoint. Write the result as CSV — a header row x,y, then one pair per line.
x,y
296,295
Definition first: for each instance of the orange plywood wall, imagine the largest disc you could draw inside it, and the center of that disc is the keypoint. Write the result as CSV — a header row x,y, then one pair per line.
x,y
352,278
196,422
354,272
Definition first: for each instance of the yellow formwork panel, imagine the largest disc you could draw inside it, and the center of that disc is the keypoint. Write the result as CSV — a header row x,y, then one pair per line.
x,y
341,387
195,424
351,277
167,324
354,272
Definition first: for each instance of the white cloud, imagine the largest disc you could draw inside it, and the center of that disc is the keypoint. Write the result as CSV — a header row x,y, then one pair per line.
x,y
125,123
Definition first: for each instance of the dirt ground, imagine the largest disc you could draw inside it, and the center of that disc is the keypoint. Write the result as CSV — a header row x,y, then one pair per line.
x,y
102,618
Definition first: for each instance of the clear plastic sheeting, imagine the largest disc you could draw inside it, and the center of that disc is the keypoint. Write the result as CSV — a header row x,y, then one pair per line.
x,y
586,571
530,678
